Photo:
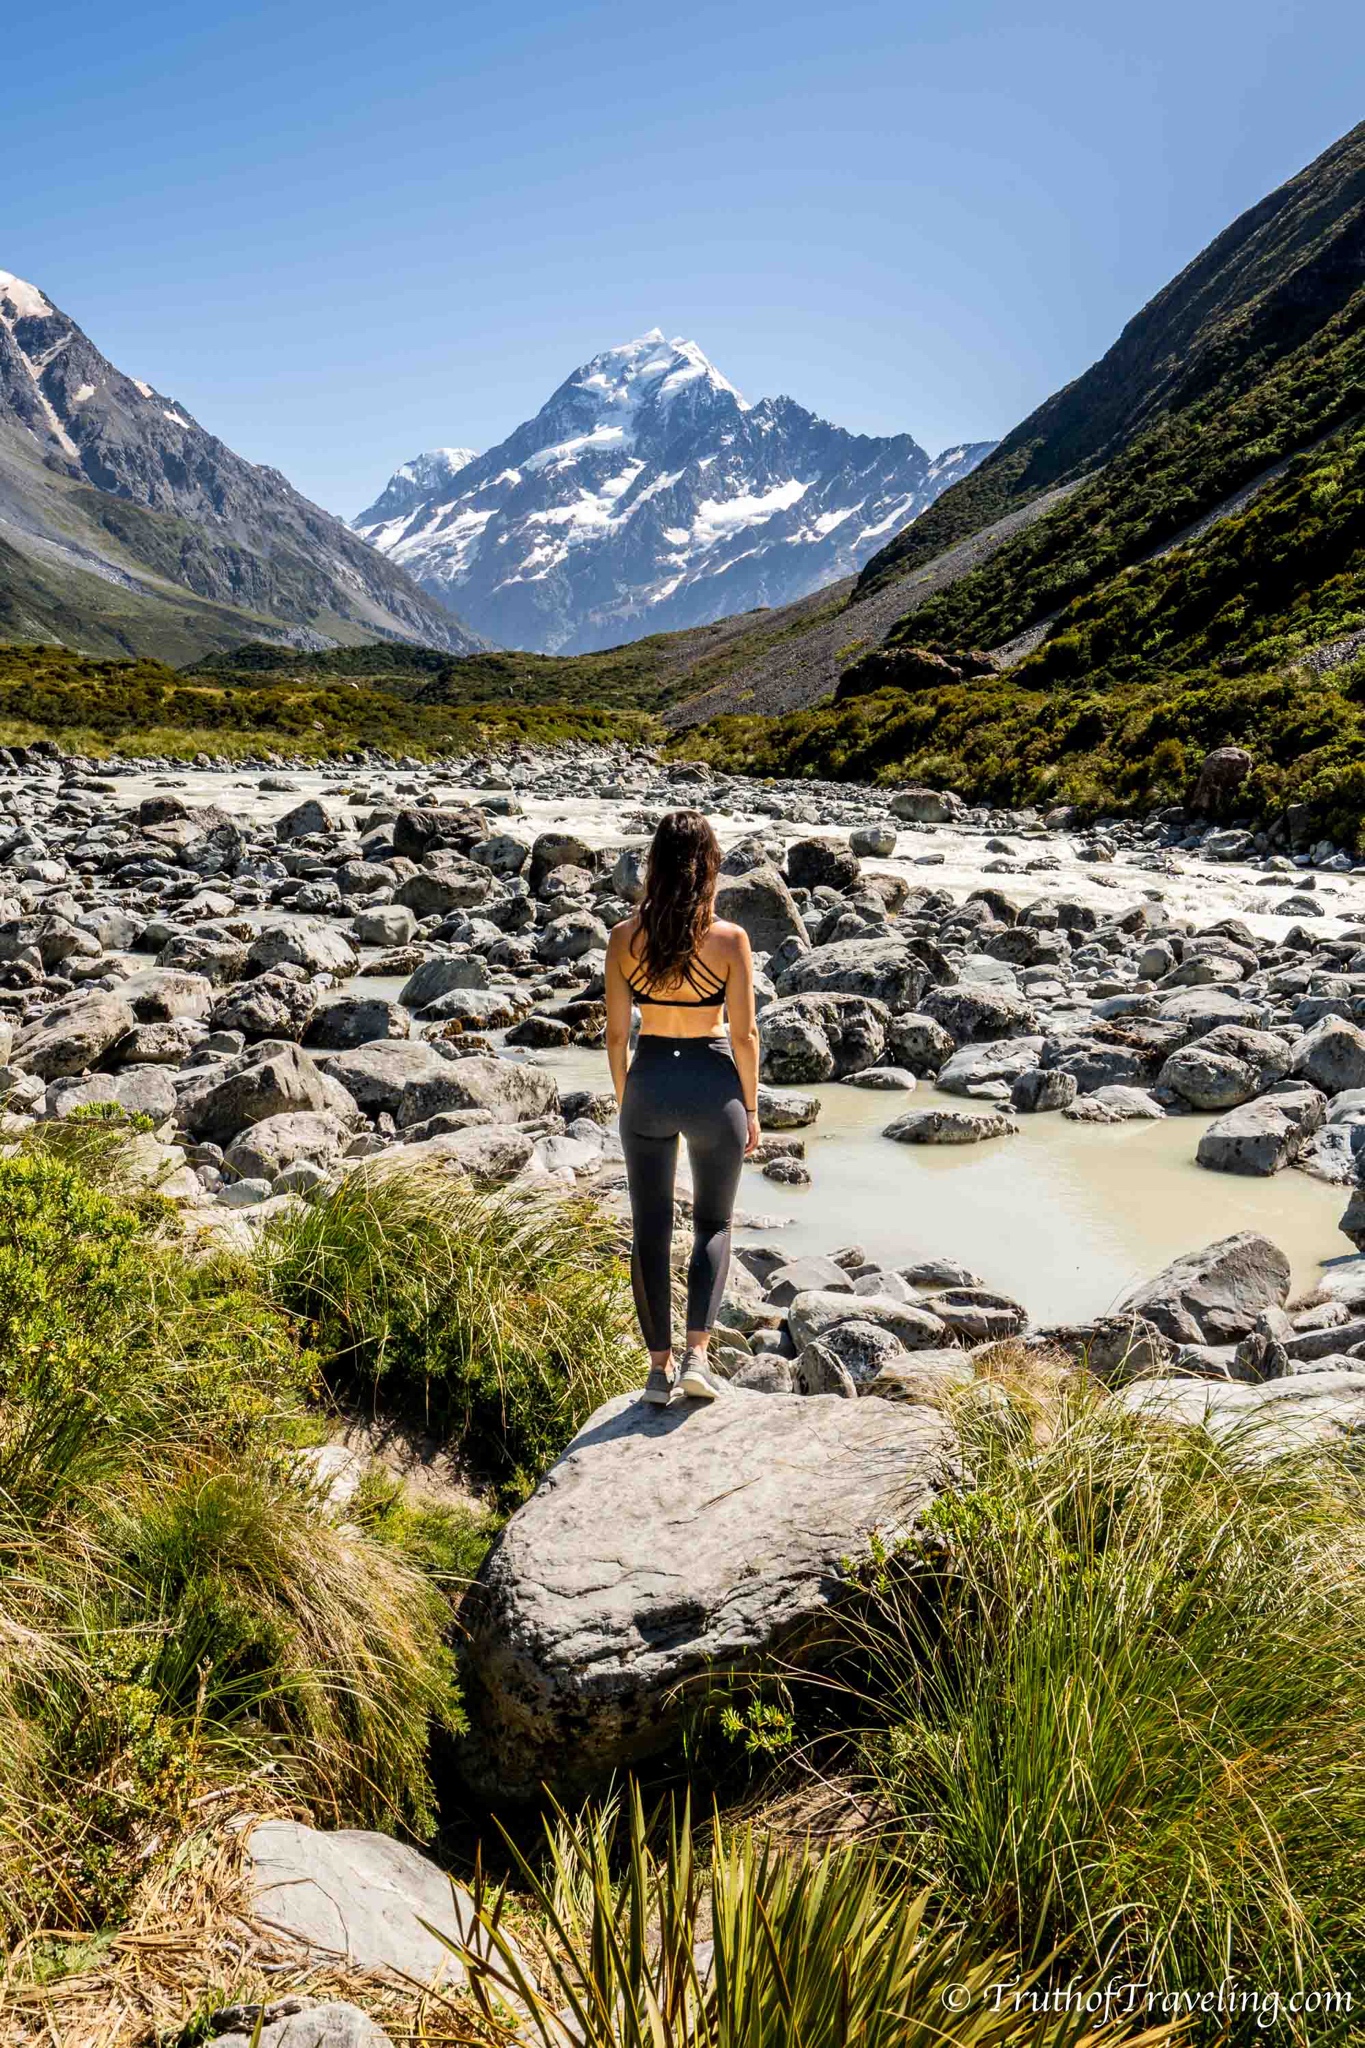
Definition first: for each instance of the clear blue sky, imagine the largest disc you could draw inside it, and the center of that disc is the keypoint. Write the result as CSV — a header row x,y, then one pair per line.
x,y
341,233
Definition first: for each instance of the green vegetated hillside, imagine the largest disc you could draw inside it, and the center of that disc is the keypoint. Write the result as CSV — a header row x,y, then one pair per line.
x,y
1172,409
143,707
1214,644
640,675
1202,587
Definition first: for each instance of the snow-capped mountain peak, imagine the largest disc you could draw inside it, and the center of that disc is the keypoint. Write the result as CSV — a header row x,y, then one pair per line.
x,y
648,371
647,494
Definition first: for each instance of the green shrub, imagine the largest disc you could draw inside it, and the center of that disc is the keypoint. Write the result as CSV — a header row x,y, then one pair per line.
x,y
509,1318
1117,1702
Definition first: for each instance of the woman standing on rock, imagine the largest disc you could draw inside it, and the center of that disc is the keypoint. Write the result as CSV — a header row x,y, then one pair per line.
x,y
687,1079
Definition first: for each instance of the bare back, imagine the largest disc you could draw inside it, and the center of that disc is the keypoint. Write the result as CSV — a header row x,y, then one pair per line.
x,y
718,977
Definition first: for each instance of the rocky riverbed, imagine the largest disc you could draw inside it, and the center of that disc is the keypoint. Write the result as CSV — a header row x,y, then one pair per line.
x,y
290,969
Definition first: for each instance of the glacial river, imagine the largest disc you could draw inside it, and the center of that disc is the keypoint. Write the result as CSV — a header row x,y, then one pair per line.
x,y
1064,1216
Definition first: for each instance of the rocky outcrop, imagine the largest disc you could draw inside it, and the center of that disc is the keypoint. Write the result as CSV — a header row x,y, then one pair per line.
x,y
667,1547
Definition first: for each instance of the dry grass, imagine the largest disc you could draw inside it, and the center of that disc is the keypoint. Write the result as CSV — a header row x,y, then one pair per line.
x,y
191,1945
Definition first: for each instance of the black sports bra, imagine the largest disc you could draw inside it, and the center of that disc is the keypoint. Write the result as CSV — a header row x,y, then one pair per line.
x,y
705,998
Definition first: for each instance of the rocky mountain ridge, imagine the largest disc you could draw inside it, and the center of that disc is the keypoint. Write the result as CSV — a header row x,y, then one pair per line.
x,y
645,496
125,526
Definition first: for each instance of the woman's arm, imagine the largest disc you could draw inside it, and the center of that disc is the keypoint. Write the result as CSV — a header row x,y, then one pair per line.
x,y
618,1011
739,1009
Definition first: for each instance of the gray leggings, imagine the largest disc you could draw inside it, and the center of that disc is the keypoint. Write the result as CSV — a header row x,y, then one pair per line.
x,y
689,1088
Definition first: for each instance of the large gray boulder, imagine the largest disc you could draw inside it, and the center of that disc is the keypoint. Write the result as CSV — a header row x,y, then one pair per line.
x,y
781,1110
509,1089
794,1049
308,820
72,1036
795,1032
417,833
412,1082
276,1005
503,853
383,924
763,904
353,1897
1331,1056
1207,1078
632,1576
308,943
815,1314
822,864
493,1153
160,994
1214,1296
885,969
216,955
1094,1063
917,1042
274,1079
140,1091
992,1067
341,1022
926,806
444,882
1035,1089
933,1126
971,1013
551,850
263,1152
1302,1411
571,936
392,1075
1265,1135
1200,1010
437,976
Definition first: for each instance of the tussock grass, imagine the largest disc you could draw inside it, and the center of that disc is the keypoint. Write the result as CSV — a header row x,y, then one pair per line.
x,y
750,1947
508,1317
1116,1701
178,1603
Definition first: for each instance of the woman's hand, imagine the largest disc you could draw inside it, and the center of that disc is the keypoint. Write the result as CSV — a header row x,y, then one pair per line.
x,y
751,1141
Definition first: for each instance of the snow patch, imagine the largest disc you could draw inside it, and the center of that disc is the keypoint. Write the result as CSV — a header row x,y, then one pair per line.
x,y
145,389
85,391
176,419
717,517
24,299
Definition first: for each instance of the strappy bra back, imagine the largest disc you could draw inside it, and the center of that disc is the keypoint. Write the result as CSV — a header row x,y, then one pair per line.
x,y
709,989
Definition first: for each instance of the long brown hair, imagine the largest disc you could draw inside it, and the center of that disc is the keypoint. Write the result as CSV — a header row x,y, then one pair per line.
x,y
680,882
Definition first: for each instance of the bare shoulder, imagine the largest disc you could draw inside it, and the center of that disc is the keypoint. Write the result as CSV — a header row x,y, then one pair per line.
x,y
620,936
732,939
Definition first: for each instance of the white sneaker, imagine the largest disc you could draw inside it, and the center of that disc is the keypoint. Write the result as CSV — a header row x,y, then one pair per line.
x,y
696,1381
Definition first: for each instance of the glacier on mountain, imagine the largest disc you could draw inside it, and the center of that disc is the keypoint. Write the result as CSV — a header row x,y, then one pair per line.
x,y
647,494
